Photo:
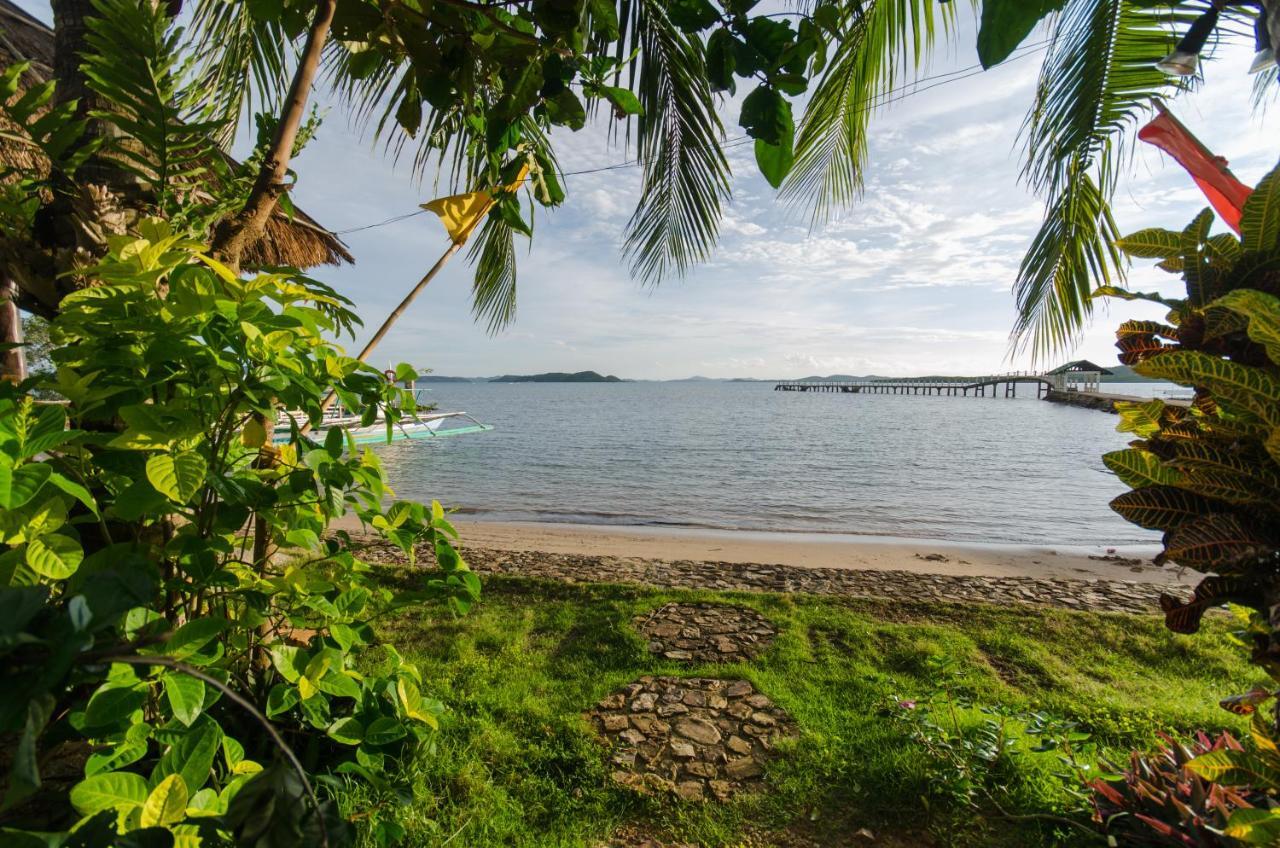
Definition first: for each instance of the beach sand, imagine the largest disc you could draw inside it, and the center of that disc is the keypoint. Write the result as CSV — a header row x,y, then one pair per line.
x,y
811,550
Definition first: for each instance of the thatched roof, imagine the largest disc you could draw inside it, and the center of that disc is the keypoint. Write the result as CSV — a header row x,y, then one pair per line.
x,y
299,242
1080,365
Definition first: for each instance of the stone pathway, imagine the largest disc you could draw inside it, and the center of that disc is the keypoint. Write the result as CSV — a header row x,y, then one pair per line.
x,y
699,738
706,632
1094,595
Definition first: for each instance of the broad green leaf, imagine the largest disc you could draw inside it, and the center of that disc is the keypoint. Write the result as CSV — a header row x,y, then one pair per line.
x,y
1215,543
384,731
1161,507
193,755
1139,468
1263,314
56,557
117,790
112,705
1254,826
189,639
625,102
1243,387
115,758
281,699
1236,768
178,477
1154,243
167,803
1140,418
185,694
20,484
775,160
1006,24
1260,222
348,731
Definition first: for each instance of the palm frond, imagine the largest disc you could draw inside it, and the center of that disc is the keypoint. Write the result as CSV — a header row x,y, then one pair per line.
x,y
240,57
1072,254
686,175
133,61
883,42
1097,81
494,288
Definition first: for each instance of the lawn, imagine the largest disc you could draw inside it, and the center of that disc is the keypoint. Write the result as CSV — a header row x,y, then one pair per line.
x,y
516,764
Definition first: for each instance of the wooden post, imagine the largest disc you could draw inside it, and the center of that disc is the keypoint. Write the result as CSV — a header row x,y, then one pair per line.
x,y
13,362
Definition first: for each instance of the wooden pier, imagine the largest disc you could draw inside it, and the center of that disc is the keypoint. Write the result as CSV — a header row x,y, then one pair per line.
x,y
994,385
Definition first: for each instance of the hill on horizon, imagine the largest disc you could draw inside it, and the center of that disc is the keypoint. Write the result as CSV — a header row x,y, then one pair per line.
x,y
557,377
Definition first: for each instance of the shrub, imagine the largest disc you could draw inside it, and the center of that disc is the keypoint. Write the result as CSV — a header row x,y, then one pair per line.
x,y
1208,477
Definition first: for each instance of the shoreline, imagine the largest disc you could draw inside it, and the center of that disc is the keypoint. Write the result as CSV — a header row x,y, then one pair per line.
x,y
820,551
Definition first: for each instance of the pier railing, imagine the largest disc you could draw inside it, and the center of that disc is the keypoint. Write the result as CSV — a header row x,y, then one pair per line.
x,y
950,386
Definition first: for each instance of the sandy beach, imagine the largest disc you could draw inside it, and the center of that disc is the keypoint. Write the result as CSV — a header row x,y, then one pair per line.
x,y
811,550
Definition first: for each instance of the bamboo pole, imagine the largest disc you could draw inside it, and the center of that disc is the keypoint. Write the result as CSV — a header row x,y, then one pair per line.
x,y
392,318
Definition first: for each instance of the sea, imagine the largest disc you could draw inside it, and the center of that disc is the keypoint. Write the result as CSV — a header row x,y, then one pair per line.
x,y
738,455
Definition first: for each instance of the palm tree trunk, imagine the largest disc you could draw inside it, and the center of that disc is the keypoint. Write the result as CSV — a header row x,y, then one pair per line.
x,y
233,234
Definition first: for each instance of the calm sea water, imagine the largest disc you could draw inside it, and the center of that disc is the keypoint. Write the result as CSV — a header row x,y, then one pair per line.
x,y
739,455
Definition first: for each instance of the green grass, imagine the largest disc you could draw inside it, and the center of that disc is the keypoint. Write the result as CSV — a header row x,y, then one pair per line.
x,y
515,764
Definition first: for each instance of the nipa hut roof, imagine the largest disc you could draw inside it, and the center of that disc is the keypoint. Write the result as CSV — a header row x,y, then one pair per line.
x,y
299,241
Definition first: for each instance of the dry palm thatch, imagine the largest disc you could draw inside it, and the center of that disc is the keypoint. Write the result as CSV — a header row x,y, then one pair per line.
x,y
298,241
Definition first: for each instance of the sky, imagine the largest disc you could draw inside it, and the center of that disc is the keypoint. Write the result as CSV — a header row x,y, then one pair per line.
x,y
915,278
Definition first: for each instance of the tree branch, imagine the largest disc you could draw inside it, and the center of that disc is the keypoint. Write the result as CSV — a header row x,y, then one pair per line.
x,y
234,234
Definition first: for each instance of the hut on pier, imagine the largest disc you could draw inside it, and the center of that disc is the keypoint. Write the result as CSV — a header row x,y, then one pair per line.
x,y
1078,376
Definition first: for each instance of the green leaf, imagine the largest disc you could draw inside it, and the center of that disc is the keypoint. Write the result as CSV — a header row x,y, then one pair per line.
x,y
56,556
189,639
1006,23
1254,826
1263,314
692,15
720,60
1161,507
775,160
1242,387
626,102
119,790
1142,418
112,705
1139,468
567,110
1236,768
1154,243
1260,221
290,661
185,694
193,755
281,699
384,731
1215,543
167,803
75,490
348,731
766,115
20,484
178,476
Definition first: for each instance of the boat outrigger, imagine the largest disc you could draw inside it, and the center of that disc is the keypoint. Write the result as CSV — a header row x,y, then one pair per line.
x,y
415,425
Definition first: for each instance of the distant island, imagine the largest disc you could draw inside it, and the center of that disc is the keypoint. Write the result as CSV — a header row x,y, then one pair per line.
x,y
433,378
557,377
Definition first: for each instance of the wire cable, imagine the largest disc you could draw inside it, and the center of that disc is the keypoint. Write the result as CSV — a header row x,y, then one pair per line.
x,y
884,98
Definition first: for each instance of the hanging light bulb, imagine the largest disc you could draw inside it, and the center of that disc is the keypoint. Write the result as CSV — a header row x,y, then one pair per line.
x,y
1185,57
1266,55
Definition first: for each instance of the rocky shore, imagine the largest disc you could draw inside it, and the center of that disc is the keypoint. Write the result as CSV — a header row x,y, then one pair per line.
x,y
1094,595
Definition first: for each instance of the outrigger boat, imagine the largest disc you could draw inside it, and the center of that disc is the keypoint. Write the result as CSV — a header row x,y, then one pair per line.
x,y
424,425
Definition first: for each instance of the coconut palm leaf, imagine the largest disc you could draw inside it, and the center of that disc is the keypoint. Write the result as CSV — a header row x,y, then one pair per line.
x,y
1097,81
1073,252
494,289
240,57
686,175
884,40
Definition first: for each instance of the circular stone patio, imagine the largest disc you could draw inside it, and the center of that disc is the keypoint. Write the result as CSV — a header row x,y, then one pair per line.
x,y
700,738
706,632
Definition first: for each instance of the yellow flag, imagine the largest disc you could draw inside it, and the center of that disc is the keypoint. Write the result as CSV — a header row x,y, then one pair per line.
x,y
461,213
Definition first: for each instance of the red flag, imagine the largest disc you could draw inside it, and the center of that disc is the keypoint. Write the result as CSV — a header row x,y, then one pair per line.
x,y
1226,194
